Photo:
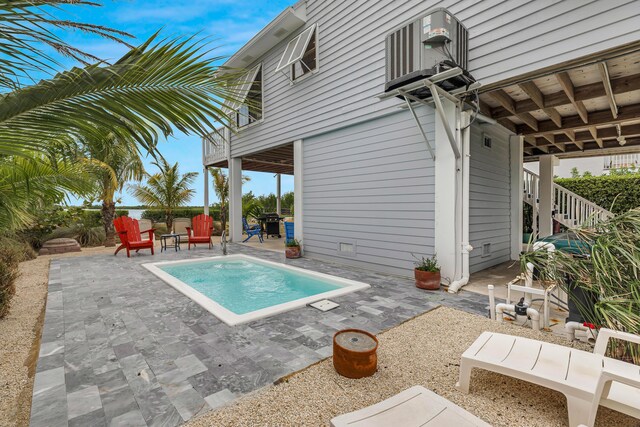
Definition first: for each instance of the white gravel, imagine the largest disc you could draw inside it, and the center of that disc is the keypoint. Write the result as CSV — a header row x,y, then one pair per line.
x,y
426,351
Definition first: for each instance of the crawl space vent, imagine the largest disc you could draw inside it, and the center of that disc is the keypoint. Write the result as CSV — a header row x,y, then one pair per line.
x,y
486,249
347,248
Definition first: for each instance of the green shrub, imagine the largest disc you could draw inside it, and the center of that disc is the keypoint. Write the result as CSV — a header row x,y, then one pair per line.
x,y
12,252
617,193
93,218
157,215
85,235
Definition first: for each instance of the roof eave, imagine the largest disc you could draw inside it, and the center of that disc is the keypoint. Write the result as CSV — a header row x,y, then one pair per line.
x,y
288,21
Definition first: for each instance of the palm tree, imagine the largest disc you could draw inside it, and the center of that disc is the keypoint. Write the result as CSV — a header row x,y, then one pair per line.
x,y
166,190
157,87
113,162
29,184
221,188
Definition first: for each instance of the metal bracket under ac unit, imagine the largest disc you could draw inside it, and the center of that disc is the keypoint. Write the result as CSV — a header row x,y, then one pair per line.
x,y
436,93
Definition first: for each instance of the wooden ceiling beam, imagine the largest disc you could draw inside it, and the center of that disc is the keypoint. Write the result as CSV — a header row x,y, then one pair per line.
x,y
594,133
569,89
606,82
507,102
571,134
537,97
552,139
581,93
603,117
580,138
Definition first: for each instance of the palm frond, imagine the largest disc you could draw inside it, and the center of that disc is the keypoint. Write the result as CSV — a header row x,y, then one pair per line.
x,y
27,184
147,93
26,27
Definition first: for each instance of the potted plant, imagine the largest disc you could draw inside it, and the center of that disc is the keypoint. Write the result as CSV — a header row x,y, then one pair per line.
x,y
427,273
292,249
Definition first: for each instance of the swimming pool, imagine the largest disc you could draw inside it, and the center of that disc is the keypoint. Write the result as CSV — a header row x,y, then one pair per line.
x,y
241,288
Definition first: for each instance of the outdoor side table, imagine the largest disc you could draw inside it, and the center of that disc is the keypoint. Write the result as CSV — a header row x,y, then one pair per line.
x,y
165,237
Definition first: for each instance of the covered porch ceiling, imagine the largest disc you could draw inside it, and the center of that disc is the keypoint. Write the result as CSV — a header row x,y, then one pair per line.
x,y
274,160
575,110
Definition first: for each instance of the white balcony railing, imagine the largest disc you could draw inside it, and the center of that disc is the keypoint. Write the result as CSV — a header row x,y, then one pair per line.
x,y
215,148
622,161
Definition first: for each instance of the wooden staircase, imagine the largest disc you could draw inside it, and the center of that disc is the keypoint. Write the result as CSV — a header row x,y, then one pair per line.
x,y
569,209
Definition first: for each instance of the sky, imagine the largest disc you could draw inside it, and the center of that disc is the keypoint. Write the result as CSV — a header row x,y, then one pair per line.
x,y
228,24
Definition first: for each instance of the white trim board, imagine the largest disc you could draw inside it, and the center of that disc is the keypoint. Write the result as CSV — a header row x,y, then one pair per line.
x,y
229,317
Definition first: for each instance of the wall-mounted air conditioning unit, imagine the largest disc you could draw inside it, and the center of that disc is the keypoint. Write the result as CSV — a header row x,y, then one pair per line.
x,y
426,46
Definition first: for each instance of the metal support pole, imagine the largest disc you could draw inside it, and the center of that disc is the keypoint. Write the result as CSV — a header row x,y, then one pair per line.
x,y
415,117
278,194
441,115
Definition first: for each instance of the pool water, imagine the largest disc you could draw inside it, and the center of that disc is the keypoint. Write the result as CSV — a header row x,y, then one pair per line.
x,y
243,286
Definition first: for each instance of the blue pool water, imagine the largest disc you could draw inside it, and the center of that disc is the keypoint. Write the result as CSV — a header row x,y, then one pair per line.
x,y
242,286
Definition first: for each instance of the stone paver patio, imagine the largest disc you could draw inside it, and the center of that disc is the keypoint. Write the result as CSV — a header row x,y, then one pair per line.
x,y
121,347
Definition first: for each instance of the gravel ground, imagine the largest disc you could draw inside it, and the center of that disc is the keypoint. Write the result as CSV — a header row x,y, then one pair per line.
x,y
424,350
20,337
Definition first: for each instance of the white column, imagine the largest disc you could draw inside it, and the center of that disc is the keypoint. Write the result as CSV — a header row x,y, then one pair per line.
x,y
446,165
545,210
235,199
205,171
517,189
278,194
297,189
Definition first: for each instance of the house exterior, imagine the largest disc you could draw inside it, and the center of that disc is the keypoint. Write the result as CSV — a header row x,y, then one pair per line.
x,y
376,187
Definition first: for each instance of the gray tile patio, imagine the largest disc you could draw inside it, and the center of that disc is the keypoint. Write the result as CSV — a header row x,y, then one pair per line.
x,y
121,347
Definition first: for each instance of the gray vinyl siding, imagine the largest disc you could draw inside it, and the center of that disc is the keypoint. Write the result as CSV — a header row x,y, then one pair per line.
x,y
507,38
489,199
371,185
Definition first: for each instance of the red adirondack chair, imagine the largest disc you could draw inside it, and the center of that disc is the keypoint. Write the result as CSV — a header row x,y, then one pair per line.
x,y
200,230
130,235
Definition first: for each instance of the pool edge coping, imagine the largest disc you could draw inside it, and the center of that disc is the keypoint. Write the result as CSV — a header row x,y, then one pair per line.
x,y
230,318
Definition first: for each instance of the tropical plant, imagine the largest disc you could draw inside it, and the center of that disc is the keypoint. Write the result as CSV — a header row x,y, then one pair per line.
x,y
292,243
167,189
221,188
113,161
29,186
159,86
429,264
608,273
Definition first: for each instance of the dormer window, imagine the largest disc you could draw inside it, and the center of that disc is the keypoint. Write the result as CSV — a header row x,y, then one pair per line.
x,y
246,107
301,54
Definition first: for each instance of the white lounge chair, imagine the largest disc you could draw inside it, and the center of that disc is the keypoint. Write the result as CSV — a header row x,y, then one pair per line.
x,y
586,379
416,406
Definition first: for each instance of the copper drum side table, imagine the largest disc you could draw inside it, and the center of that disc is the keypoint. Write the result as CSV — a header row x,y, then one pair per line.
x,y
355,353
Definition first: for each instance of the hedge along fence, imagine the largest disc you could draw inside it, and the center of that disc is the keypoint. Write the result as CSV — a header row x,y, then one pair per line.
x,y
93,218
616,193
157,215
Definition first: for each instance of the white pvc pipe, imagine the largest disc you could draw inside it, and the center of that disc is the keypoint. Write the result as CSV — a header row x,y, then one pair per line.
x,y
492,303
532,313
456,285
571,328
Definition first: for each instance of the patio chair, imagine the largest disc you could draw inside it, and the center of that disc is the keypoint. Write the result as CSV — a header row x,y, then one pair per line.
x,y
146,224
288,231
200,231
251,230
586,379
180,226
130,235
416,406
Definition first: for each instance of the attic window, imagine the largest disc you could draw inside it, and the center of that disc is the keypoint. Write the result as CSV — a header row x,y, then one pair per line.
x,y
300,54
246,106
